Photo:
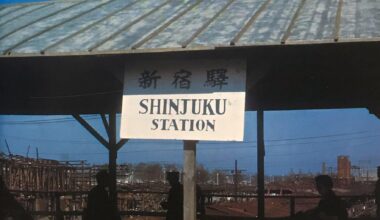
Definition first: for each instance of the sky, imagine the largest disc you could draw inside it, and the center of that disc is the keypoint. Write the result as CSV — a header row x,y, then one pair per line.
x,y
295,140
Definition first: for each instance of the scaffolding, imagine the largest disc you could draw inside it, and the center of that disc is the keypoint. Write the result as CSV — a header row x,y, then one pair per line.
x,y
43,175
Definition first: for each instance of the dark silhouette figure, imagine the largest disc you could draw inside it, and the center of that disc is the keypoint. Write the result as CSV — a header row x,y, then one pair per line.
x,y
9,207
377,193
200,202
174,203
330,207
99,204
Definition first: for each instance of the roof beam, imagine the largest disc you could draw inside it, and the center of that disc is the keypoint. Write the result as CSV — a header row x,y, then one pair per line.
x,y
127,26
90,129
249,23
161,28
8,50
121,143
17,9
25,13
87,27
106,125
292,22
337,21
205,25
40,19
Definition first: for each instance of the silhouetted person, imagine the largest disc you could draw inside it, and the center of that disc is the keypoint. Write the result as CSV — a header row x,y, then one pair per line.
x,y
9,207
377,193
174,203
99,204
200,202
330,207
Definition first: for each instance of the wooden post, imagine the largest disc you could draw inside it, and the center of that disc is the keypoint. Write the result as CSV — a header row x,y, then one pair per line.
x,y
236,181
112,145
260,164
58,211
112,159
189,181
292,206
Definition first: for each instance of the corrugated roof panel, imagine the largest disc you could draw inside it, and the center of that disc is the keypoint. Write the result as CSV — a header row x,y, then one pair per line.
x,y
43,25
360,19
9,9
271,24
117,25
87,39
316,21
60,32
30,18
227,25
143,28
21,12
183,28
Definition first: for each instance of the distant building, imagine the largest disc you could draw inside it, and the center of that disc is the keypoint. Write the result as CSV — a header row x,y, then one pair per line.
x,y
324,170
344,168
363,174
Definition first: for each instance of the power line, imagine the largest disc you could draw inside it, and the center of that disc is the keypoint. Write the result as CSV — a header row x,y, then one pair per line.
x,y
78,95
45,121
205,143
200,149
314,137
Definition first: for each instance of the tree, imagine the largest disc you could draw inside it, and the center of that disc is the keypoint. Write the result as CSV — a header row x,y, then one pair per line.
x,y
203,175
148,172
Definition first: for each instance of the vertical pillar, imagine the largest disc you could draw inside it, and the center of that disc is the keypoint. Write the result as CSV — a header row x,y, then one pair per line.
x,y
260,164
236,181
58,211
189,181
112,159
292,206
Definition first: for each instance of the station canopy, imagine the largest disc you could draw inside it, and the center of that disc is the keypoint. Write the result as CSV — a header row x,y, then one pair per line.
x,y
65,57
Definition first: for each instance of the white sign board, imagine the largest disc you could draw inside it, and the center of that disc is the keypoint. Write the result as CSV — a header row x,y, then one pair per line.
x,y
184,100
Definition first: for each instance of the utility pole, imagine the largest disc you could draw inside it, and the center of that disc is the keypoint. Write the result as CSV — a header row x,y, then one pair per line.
x,y
37,153
27,152
324,168
236,172
9,150
217,178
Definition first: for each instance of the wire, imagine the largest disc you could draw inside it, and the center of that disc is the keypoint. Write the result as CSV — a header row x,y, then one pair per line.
x,y
45,121
203,148
78,95
314,137
207,142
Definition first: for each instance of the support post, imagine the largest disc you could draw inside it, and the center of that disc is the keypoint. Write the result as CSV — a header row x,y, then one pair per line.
x,y
189,181
58,212
292,206
112,145
260,164
236,181
112,159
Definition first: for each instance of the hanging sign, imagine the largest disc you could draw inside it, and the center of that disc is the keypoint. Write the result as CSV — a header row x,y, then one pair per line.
x,y
184,100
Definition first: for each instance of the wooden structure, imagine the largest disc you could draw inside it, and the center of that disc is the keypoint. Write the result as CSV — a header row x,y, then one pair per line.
x,y
29,174
68,58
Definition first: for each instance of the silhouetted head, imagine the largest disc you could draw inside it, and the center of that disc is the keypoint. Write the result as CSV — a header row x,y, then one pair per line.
x,y
172,177
102,177
378,172
324,184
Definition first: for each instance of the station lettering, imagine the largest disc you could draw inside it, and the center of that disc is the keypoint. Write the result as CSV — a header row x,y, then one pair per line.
x,y
183,107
